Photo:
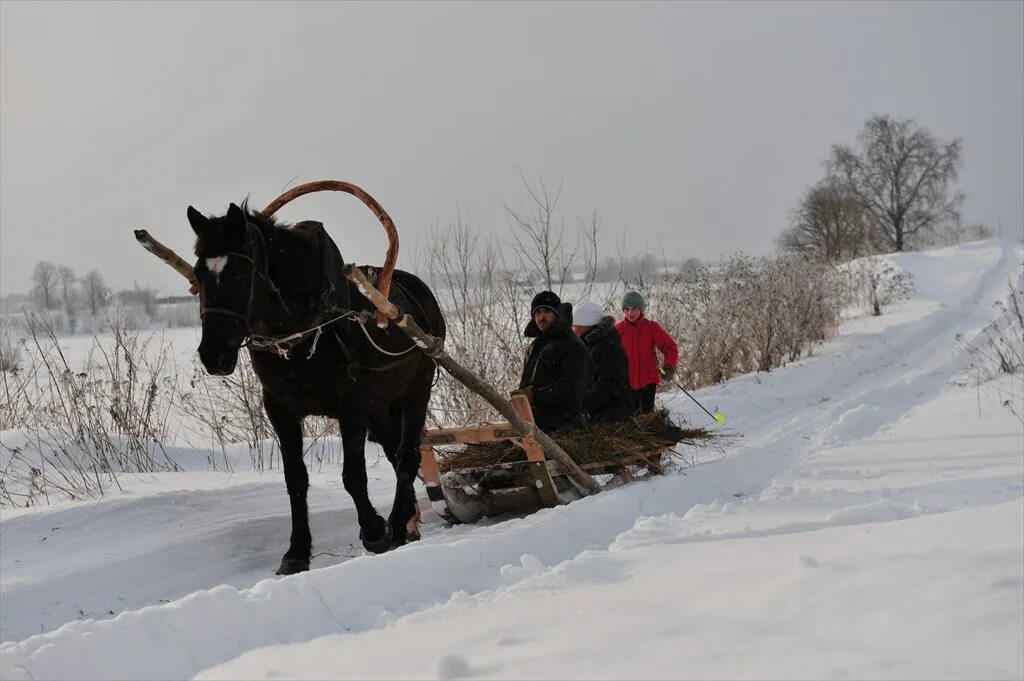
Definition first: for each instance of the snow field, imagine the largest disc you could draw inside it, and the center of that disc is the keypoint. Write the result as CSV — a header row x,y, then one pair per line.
x,y
868,524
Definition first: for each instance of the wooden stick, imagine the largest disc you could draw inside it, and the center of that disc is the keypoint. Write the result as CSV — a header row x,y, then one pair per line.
x,y
435,348
165,254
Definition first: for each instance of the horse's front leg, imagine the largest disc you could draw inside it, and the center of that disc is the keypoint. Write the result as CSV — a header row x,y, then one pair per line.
x,y
289,433
374,531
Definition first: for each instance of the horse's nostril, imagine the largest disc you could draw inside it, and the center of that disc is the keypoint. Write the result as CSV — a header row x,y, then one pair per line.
x,y
217,363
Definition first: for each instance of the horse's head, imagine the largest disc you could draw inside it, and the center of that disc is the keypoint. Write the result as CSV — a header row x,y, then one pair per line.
x,y
231,274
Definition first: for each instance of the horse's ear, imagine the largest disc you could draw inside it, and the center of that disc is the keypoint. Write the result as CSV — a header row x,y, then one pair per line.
x,y
236,217
196,219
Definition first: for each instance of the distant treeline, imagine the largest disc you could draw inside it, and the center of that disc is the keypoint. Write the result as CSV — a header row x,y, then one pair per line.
x,y
79,304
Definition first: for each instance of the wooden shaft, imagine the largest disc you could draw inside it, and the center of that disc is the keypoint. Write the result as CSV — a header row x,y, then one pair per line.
x,y
435,348
379,300
165,254
493,432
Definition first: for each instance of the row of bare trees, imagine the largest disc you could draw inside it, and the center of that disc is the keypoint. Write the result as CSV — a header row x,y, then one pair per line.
x,y
80,304
57,287
894,190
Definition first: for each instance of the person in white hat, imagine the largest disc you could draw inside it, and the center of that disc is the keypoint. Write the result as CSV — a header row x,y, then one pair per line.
x,y
609,397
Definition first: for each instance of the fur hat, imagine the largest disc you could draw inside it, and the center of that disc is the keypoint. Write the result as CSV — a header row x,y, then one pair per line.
x,y
547,299
634,299
587,313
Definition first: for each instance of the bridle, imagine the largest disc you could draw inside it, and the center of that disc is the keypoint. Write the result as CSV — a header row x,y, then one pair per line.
x,y
257,268
282,345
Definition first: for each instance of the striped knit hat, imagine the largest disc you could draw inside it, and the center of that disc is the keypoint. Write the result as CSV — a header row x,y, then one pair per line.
x,y
634,299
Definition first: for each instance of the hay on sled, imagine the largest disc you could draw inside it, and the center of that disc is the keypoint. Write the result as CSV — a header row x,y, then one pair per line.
x,y
642,440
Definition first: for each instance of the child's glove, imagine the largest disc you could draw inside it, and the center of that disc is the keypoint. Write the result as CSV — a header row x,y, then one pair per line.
x,y
667,373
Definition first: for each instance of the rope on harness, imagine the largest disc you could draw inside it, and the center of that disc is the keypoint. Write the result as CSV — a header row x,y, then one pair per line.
x,y
282,344
362,325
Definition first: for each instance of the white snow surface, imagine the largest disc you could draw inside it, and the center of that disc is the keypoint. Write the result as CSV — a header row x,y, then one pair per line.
x,y
869,523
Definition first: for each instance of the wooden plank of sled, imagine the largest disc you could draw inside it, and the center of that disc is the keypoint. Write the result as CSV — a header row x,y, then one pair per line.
x,y
535,456
469,435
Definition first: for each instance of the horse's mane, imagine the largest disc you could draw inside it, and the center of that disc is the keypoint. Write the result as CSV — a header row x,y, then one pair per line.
x,y
265,223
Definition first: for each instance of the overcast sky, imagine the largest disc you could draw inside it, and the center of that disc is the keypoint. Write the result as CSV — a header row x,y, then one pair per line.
x,y
690,127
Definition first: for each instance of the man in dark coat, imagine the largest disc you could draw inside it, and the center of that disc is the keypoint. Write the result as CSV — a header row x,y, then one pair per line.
x,y
609,397
557,369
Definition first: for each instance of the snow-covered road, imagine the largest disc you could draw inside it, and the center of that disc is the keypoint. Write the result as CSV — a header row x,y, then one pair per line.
x,y
869,523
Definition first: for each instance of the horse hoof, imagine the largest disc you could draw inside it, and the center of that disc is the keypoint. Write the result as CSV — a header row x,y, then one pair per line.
x,y
291,566
379,545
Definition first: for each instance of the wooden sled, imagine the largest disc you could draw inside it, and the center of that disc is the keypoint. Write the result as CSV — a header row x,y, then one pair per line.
x,y
468,494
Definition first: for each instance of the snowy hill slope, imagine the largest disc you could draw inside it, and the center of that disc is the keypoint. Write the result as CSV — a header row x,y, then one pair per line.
x,y
870,523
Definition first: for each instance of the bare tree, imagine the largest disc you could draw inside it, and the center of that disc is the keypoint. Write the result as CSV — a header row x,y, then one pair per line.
x,y
485,309
44,284
904,176
829,222
95,291
66,283
590,227
538,237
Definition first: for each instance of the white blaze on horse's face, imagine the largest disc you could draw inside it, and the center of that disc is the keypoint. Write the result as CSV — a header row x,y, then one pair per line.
x,y
217,265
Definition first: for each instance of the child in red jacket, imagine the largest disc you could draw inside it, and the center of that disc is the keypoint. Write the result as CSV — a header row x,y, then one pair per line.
x,y
639,338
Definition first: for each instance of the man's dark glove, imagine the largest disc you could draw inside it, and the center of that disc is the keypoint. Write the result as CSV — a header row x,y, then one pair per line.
x,y
526,392
667,374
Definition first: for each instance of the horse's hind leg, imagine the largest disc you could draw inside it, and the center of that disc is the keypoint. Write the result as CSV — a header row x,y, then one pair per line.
x,y
405,514
289,433
374,532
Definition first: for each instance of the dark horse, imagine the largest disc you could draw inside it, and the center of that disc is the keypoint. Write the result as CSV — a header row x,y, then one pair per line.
x,y
317,350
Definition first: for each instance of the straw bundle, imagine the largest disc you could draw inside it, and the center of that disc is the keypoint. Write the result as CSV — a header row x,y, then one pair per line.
x,y
642,440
